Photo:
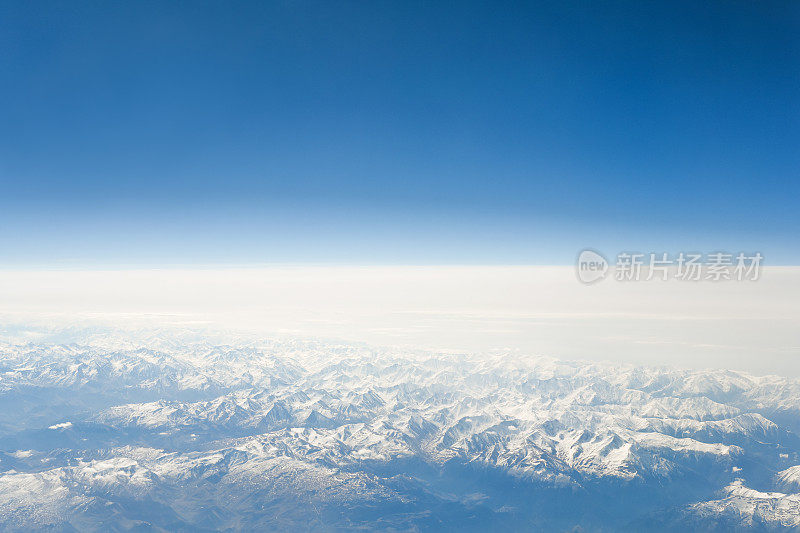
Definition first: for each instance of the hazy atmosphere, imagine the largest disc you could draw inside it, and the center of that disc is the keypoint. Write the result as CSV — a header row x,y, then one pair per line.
x,y
753,326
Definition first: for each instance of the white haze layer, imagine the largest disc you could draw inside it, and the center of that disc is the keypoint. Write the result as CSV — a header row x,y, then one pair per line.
x,y
751,326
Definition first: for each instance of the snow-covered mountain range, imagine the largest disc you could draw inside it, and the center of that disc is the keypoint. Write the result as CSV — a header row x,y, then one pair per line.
x,y
164,431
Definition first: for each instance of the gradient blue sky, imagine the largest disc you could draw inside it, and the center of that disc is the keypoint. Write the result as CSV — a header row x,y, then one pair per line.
x,y
157,133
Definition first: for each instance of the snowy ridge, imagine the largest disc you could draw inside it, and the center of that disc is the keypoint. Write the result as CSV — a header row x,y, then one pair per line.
x,y
259,434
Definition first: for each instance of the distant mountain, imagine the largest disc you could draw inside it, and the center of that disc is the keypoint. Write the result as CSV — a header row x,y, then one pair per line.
x,y
164,432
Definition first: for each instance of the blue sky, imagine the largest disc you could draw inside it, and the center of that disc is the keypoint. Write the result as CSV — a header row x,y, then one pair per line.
x,y
157,133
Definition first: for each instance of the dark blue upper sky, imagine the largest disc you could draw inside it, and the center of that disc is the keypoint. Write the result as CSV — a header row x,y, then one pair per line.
x,y
396,132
